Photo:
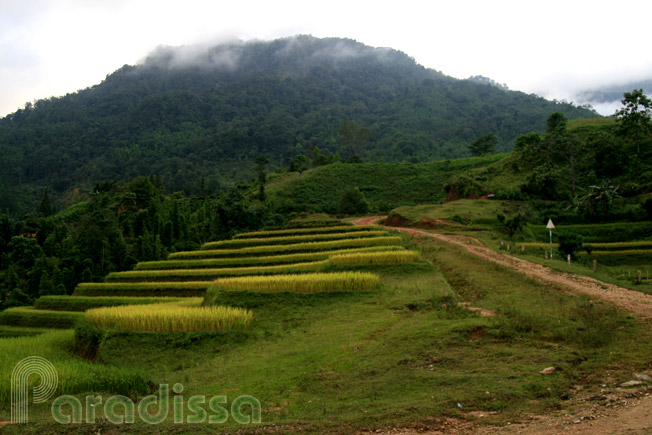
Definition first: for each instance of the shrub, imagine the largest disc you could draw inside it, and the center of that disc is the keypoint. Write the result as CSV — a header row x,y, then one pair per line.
x,y
353,202
569,243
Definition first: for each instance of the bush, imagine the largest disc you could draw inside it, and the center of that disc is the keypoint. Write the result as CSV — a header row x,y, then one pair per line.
x,y
353,202
569,243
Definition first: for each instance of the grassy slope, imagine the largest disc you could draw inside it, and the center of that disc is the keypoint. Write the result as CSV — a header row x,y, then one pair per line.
x,y
465,210
402,354
385,185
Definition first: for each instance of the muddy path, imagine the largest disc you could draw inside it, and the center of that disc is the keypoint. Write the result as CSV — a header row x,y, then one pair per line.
x,y
625,411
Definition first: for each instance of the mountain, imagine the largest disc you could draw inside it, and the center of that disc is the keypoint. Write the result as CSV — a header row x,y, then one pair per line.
x,y
614,93
199,116
608,99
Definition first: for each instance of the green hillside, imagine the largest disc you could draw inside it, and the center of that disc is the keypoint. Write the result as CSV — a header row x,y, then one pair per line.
x,y
200,123
384,185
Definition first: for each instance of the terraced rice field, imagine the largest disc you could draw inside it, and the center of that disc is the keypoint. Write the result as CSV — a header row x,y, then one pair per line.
x,y
163,295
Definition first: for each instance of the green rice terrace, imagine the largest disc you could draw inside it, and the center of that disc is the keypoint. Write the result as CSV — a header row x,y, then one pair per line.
x,y
333,328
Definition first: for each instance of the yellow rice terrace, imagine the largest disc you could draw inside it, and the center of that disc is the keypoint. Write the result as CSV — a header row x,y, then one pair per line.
x,y
170,317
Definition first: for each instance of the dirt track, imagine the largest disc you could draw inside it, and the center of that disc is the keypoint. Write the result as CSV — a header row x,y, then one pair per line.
x,y
637,303
630,412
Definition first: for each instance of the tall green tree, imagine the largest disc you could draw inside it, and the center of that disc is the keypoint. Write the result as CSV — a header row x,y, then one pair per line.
x,y
261,170
354,139
635,116
46,208
483,145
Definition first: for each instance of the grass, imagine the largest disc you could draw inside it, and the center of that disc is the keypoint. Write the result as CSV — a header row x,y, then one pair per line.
x,y
298,247
20,331
83,303
187,316
362,361
75,375
174,289
260,241
262,261
30,317
464,211
618,274
385,185
374,360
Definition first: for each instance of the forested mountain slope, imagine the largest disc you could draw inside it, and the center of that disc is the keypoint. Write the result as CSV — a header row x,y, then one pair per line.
x,y
190,114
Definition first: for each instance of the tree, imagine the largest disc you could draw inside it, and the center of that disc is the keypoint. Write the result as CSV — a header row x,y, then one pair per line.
x,y
555,139
635,117
528,144
483,145
353,202
353,140
513,223
299,164
261,170
46,208
600,198
318,158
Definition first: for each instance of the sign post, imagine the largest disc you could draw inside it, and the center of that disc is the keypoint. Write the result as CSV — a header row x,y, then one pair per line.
x,y
550,227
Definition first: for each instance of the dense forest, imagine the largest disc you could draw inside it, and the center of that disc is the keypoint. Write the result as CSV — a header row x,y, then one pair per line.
x,y
199,118
110,229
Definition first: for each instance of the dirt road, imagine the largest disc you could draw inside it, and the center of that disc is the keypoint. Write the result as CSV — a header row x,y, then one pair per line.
x,y
626,412
637,303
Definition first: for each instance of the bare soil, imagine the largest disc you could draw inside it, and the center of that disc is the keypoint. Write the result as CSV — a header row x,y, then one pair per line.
x,y
609,410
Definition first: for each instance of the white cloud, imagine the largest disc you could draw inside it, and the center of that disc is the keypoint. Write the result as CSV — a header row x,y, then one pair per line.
x,y
51,47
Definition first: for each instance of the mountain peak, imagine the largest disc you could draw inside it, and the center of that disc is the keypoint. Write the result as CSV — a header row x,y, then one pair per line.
x,y
300,52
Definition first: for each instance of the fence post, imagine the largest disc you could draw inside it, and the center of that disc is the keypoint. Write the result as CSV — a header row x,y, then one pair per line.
x,y
545,254
638,276
595,265
508,247
522,249
569,259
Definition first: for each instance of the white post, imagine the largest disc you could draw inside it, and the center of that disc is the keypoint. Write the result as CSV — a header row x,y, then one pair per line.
x,y
550,226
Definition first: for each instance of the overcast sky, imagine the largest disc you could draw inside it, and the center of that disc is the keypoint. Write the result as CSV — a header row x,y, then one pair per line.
x,y
552,48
